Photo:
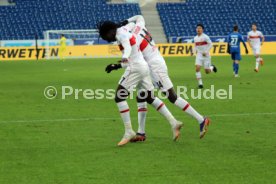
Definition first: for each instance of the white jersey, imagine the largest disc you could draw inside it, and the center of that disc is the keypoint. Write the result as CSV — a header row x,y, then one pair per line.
x,y
130,48
255,38
146,43
203,44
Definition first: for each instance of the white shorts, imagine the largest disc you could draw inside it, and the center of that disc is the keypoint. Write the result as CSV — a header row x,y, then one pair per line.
x,y
204,61
161,80
256,50
139,78
159,73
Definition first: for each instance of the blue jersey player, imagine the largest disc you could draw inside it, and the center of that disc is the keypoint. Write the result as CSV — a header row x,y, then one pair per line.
x,y
234,40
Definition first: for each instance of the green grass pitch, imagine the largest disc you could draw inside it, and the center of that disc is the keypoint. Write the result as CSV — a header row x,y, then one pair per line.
x,y
74,141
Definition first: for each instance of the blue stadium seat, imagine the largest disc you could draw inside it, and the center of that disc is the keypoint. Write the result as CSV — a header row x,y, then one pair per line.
x,y
218,16
30,17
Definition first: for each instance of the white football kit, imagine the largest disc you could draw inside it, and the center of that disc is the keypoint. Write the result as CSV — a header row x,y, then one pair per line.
x,y
203,44
254,38
137,70
156,62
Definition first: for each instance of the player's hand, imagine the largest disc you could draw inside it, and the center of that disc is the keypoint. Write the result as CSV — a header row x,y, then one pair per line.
x,y
111,67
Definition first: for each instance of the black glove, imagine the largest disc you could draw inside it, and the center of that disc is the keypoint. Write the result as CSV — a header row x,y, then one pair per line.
x,y
123,23
111,67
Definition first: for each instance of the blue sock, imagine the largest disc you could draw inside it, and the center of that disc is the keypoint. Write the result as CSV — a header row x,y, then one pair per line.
x,y
237,68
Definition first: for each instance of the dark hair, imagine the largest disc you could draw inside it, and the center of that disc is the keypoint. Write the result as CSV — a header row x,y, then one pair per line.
x,y
62,35
105,26
255,24
236,28
200,25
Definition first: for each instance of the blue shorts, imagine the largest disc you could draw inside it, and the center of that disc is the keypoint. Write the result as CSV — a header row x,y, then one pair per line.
x,y
236,56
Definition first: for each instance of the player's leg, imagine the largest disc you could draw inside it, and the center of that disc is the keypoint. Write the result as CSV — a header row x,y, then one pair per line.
x,y
120,99
208,66
61,53
142,114
186,107
198,64
236,58
198,76
259,60
128,81
166,86
160,106
237,68
234,64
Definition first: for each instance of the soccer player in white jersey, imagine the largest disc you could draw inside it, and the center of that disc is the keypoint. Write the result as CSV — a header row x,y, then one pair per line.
x,y
203,45
136,74
255,39
160,77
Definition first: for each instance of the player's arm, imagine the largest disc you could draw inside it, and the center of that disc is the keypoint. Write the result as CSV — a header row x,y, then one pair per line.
x,y
138,19
123,63
124,40
244,44
131,26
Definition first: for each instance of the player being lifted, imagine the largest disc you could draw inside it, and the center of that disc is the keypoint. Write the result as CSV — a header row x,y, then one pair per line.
x,y
203,44
136,74
233,48
160,77
255,39
62,48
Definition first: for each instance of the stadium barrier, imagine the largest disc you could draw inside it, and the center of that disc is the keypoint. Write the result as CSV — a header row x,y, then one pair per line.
x,y
189,39
112,51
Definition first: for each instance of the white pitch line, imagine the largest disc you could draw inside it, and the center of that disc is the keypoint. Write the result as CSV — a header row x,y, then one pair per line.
x,y
116,118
